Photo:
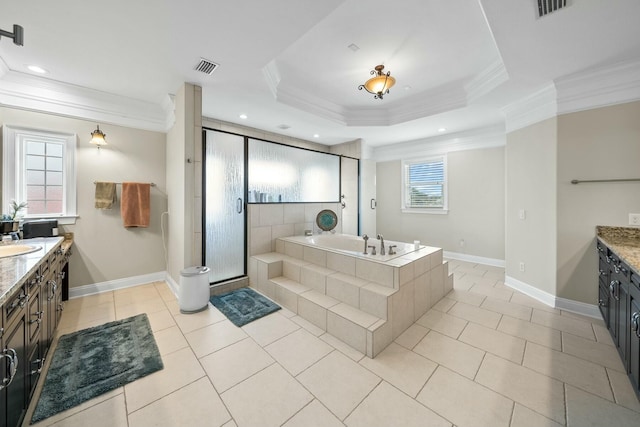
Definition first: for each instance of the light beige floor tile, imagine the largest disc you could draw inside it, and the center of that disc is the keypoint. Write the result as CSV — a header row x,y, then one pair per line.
x,y
197,404
586,410
165,291
235,363
595,352
343,348
510,309
569,369
522,299
444,304
69,413
76,304
402,368
70,326
386,406
211,338
193,321
230,424
602,335
577,316
622,390
110,413
298,350
563,323
270,328
180,368
447,393
412,336
490,291
139,307
85,315
137,294
268,398
455,355
308,326
543,394
459,285
531,332
475,314
496,342
339,383
160,320
525,417
465,297
170,340
286,313
443,323
313,415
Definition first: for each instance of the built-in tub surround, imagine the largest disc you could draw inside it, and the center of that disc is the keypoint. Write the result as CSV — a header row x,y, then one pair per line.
x,y
363,301
353,245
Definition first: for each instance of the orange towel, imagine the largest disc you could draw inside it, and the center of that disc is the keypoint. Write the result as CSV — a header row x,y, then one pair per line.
x,y
135,204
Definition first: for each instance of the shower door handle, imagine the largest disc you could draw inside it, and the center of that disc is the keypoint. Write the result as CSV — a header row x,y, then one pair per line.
x,y
239,205
373,204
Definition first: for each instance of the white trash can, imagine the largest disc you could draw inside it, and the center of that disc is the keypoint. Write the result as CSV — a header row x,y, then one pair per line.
x,y
193,295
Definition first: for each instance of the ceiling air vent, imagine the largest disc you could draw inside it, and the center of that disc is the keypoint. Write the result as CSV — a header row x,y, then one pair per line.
x,y
545,7
206,66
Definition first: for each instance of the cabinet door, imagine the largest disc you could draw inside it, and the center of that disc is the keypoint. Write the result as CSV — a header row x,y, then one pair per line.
x,y
603,302
622,322
613,311
634,339
16,392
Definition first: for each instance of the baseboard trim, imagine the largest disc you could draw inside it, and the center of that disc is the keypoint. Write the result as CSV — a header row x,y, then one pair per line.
x,y
112,285
589,310
172,284
474,258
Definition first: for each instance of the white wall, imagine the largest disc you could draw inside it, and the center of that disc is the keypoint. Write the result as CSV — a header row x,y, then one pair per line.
x,y
103,249
602,143
531,164
476,206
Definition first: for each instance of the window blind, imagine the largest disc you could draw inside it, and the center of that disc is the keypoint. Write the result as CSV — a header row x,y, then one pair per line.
x,y
424,184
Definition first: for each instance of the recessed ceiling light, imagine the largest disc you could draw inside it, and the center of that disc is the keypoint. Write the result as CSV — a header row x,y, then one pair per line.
x,y
407,87
442,130
354,47
284,126
243,116
315,135
37,69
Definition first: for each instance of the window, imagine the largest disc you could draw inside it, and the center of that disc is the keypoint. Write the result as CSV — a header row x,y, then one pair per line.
x,y
425,185
39,168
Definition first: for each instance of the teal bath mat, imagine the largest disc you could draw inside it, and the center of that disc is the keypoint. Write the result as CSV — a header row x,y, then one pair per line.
x,y
243,305
94,361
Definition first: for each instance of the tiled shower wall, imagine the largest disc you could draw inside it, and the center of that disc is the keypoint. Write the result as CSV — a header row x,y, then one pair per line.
x,y
267,222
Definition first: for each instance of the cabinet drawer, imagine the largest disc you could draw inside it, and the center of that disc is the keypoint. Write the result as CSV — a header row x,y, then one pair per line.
x,y
34,318
14,304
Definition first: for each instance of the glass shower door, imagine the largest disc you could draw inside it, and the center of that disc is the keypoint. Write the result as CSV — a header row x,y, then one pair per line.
x,y
225,217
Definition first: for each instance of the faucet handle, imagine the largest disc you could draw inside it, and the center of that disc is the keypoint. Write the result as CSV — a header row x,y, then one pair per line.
x,y
365,237
380,236
391,250
373,250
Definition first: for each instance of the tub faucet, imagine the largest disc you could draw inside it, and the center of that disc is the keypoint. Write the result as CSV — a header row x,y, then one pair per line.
x,y
365,237
381,244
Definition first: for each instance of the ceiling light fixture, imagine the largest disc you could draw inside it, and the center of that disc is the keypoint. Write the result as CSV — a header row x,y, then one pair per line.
x,y
243,116
37,69
442,130
98,137
315,135
379,84
17,36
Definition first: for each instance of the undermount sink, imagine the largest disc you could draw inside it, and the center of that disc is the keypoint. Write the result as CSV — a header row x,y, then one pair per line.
x,y
14,250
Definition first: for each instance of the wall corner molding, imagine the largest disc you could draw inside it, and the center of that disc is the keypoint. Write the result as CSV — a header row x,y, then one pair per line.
x,y
538,106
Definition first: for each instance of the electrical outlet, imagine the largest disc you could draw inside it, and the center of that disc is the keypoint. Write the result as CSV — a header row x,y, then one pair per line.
x,y
522,266
462,243
522,214
634,219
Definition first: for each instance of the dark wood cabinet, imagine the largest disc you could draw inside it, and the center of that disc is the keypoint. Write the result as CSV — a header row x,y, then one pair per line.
x,y
634,332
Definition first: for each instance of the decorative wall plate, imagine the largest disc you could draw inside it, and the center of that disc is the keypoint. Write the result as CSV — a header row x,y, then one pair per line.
x,y
327,220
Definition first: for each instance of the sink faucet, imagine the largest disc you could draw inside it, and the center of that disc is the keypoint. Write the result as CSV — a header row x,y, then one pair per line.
x,y
381,244
365,237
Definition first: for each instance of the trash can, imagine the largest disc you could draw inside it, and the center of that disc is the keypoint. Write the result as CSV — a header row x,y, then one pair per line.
x,y
193,295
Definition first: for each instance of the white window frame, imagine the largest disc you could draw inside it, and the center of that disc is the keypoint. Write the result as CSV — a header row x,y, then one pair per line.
x,y
14,176
445,189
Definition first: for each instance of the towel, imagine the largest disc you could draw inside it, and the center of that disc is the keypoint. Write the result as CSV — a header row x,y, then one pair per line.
x,y
105,195
135,204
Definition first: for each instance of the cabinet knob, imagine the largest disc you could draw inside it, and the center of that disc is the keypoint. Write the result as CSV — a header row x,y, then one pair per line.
x,y
602,303
603,273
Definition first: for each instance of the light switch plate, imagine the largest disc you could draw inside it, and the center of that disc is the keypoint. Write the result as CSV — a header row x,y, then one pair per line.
x,y
634,219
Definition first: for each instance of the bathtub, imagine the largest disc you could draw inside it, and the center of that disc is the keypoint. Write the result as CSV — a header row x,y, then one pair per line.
x,y
353,245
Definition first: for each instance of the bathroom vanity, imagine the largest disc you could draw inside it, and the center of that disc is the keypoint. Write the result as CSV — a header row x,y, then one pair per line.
x,y
619,293
31,300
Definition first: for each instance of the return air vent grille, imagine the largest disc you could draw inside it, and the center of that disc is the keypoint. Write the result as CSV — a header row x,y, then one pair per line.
x,y
206,66
545,7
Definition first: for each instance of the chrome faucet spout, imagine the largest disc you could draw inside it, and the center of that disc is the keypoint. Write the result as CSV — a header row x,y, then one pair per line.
x,y
365,237
381,238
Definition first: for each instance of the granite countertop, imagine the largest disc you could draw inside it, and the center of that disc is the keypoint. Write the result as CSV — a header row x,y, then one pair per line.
x,y
15,270
624,241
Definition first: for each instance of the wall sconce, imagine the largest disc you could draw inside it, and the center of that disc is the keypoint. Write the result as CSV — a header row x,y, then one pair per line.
x,y
17,36
380,84
97,137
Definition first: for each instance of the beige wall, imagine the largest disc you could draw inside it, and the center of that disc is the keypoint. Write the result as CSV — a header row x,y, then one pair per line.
x,y
476,206
531,166
104,249
603,143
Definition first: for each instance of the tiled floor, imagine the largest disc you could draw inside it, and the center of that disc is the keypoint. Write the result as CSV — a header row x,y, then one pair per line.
x,y
484,356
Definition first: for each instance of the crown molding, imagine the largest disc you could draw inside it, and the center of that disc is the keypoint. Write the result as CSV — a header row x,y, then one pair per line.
x,y
271,75
429,103
538,106
24,91
486,81
304,101
475,139
599,87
